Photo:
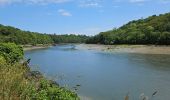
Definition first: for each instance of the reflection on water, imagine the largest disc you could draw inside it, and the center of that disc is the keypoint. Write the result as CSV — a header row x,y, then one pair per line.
x,y
105,76
66,47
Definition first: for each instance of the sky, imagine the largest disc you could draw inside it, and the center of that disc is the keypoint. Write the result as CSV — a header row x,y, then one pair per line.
x,y
76,16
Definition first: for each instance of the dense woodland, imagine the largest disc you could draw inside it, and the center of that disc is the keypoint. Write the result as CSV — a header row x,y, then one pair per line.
x,y
69,38
152,30
11,34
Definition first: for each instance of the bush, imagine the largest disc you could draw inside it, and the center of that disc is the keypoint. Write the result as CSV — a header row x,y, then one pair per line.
x,y
11,52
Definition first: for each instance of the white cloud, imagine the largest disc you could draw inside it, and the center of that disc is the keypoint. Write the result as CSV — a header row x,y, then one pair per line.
x,y
137,1
46,1
64,12
90,3
165,1
131,1
4,2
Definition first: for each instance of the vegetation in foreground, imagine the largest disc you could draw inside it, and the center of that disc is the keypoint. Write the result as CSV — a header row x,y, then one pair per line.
x,y
17,82
152,30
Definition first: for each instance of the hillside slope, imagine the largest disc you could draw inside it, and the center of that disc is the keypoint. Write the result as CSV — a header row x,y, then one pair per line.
x,y
152,30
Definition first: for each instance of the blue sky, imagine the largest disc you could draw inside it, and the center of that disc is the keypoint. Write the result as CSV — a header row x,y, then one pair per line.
x,y
76,16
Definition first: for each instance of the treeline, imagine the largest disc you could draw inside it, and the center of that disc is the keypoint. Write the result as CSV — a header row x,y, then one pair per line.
x,y
152,30
11,34
69,38
15,35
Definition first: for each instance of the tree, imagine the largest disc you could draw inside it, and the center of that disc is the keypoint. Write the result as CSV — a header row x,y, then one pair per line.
x,y
152,30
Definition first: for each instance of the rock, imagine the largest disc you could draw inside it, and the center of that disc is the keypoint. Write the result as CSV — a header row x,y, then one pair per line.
x,y
78,85
33,74
52,82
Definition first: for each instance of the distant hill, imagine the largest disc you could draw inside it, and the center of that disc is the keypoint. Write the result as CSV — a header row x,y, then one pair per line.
x,y
152,30
12,34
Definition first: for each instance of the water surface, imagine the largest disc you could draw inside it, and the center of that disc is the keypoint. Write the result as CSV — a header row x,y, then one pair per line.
x,y
102,75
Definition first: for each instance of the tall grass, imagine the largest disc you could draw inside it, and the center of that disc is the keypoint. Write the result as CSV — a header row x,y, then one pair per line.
x,y
12,81
14,85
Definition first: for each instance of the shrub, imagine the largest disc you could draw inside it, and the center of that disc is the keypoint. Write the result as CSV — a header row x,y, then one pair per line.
x,y
11,52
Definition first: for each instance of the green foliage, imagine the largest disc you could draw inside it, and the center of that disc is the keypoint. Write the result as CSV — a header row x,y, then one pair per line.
x,y
14,35
17,84
69,38
14,86
152,30
11,52
50,91
11,34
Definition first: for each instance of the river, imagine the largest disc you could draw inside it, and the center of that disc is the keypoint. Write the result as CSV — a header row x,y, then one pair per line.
x,y
99,75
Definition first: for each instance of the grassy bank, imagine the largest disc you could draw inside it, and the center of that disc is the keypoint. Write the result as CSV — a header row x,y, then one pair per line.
x,y
17,82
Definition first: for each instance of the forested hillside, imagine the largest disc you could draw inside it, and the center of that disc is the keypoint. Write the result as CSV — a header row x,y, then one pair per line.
x,y
69,38
11,34
152,30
